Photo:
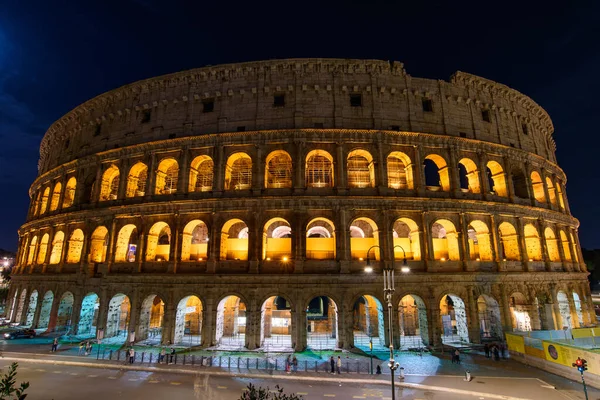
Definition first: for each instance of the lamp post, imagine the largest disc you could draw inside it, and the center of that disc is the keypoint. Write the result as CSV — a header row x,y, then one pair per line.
x,y
388,291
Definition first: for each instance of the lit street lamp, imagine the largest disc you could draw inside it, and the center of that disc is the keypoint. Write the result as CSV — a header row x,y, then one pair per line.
x,y
388,291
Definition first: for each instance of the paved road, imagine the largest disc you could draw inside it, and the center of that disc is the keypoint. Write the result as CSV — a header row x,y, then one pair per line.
x,y
65,383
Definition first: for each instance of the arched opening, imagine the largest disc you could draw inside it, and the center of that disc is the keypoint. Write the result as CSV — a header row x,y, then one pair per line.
x,y
166,176
363,234
361,171
32,249
399,171
109,187
99,244
201,174
69,192
65,312
480,244
368,323
577,305
45,310
151,320
158,246
538,187
57,247
33,299
520,184
551,191
278,173
406,235
194,244
43,249
20,308
565,310
490,321
238,172
437,176
136,181
117,320
277,240
320,240
510,242
321,324
552,245
575,252
88,316
532,243
234,240
276,324
560,195
445,241
23,258
519,311
188,322
319,169
36,203
468,176
231,323
496,179
126,248
44,201
566,246
75,247
54,202
412,319
454,320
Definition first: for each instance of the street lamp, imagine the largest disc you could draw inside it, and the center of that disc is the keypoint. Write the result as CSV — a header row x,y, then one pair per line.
x,y
388,291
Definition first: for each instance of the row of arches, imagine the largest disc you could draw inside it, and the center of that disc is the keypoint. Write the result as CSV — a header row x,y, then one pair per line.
x,y
442,241
319,172
414,319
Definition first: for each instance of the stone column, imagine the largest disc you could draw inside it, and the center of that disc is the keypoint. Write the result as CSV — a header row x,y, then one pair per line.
x,y
53,312
134,316
209,316
434,322
483,176
342,242
76,311
299,165
123,178
151,179
381,178
506,313
183,177
522,245
509,180
169,321
453,172
112,243
258,172
25,310
299,341
174,248
220,165
38,309
419,172
345,328
103,308
473,318
213,246
340,172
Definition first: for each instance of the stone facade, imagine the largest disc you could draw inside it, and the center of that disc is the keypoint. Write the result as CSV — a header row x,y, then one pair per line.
x,y
283,178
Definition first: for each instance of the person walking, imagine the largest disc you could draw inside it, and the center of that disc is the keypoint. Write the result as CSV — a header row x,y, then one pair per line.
x,y
172,355
54,345
486,349
161,356
339,365
288,361
332,364
503,351
131,355
496,354
457,356
81,347
295,364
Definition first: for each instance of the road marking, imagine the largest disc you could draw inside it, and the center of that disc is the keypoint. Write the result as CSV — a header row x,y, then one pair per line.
x,y
175,383
57,372
224,387
132,379
40,370
74,373
302,393
358,397
92,376
329,395
153,381
548,386
112,377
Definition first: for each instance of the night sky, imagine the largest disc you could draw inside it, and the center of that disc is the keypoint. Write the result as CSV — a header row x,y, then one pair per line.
x,y
55,55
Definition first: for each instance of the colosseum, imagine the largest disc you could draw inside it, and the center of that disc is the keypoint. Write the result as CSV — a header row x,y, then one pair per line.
x,y
237,206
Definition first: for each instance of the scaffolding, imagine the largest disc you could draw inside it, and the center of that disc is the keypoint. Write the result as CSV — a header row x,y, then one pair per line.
x,y
279,171
319,171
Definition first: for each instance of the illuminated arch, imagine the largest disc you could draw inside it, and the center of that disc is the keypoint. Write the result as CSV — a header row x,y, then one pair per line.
x,y
136,180
400,171
364,233
368,322
490,321
319,169
497,178
480,243
520,312
469,176
44,201
551,245
69,192
510,242
551,191
575,252
194,244
158,245
188,321
57,247
519,181
109,188
201,174
445,240
532,243
99,244
277,240
565,246
231,323
151,317
406,235
278,171
75,247
238,172
320,239
276,323
436,173
565,310
322,323
54,202
360,169
32,249
43,249
538,187
234,240
166,176
412,320
454,319
560,195
126,247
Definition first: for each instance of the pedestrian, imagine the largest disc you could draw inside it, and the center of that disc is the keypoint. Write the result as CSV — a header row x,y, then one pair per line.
x,y
127,353
131,355
486,349
81,348
503,351
54,345
339,365
496,353
378,370
295,364
161,356
288,361
332,363
88,348
172,354
457,356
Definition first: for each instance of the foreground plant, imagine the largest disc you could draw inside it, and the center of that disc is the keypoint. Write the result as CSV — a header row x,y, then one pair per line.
x,y
8,390
260,393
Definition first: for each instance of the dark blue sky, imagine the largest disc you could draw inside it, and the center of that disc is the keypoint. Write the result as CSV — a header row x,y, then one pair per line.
x,y
55,55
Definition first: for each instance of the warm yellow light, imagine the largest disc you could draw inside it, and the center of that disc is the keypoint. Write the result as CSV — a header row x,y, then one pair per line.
x,y
200,259
285,258
360,259
443,259
368,269
268,258
477,259
531,259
